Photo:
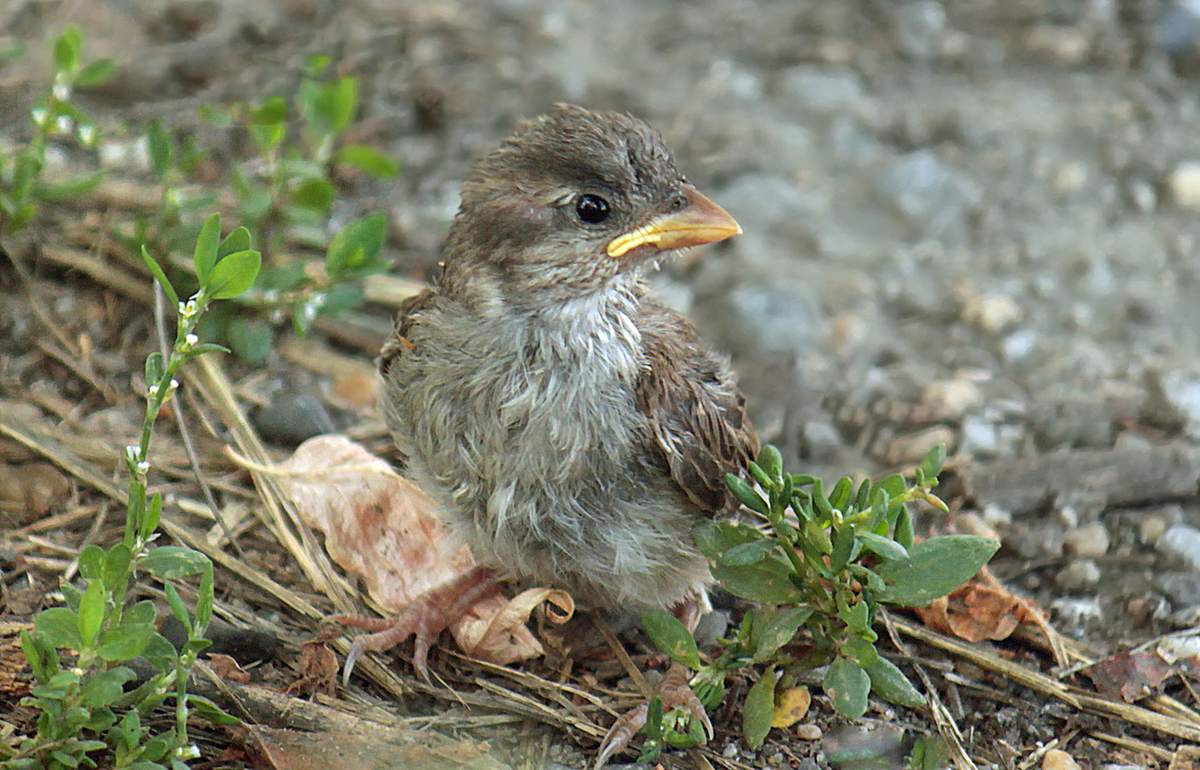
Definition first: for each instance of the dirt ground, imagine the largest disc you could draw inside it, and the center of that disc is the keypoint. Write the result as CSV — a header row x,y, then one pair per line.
x,y
975,222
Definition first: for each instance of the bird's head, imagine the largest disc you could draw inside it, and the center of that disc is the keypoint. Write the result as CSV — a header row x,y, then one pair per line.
x,y
569,202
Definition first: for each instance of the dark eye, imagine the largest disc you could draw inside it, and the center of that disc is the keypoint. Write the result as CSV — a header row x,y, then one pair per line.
x,y
591,209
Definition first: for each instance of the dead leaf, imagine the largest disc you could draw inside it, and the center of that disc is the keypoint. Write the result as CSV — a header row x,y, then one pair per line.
x,y
384,529
1134,675
791,706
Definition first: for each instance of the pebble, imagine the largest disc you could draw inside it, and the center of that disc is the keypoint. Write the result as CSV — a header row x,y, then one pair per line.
x,y
951,399
1182,390
1182,589
1019,345
1184,185
992,313
1087,542
1078,612
1056,759
1151,528
821,90
1078,574
778,318
808,732
1060,43
1181,542
821,440
912,448
932,195
291,420
918,28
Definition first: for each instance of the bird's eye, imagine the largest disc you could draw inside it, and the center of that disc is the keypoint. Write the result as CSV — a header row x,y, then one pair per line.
x,y
591,208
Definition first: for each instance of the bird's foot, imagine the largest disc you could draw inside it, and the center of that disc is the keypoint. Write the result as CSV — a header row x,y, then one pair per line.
x,y
425,617
674,692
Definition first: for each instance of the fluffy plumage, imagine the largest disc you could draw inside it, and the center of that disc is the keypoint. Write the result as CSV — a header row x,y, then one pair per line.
x,y
571,427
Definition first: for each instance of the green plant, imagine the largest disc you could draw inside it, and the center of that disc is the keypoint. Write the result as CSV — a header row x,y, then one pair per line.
x,y
286,195
819,571
84,706
53,116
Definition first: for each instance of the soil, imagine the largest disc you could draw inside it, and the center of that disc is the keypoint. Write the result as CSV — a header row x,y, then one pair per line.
x,y
971,222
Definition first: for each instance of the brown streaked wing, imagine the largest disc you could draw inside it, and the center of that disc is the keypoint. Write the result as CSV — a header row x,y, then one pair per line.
x,y
406,315
697,414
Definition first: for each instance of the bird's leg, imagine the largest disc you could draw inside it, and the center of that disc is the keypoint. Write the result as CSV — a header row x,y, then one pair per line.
x,y
673,690
425,617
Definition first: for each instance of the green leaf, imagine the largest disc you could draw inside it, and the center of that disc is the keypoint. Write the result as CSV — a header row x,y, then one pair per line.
x,y
861,651
780,630
125,642
653,730
934,568
91,562
759,709
771,462
59,626
885,547
154,369
367,159
67,49
178,608
117,565
160,276
91,612
890,683
767,581
152,514
315,194
103,688
205,709
672,637
160,653
715,538
250,338
238,240
204,599
358,242
158,145
271,111
174,562
761,477
746,495
65,191
96,73
206,249
747,553
843,545
894,485
840,496
233,275
343,103
903,533
847,686
931,466
42,658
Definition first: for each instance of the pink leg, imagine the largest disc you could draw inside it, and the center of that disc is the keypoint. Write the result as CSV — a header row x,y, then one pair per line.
x,y
426,617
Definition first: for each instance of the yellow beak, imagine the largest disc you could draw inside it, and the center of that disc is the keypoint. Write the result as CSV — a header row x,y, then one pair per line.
x,y
701,221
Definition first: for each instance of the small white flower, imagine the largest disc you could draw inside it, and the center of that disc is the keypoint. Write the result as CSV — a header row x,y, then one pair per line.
x,y
191,340
62,91
88,134
63,124
153,390
39,116
143,467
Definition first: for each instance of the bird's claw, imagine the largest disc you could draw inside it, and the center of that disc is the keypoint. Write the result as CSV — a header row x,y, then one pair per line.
x,y
674,691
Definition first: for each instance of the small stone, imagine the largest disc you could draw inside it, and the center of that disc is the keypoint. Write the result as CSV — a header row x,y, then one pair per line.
x,y
1064,44
979,438
1056,759
992,313
1078,612
1069,178
918,27
1151,528
1181,542
1184,185
821,441
1078,574
931,194
291,420
1182,391
821,90
808,732
951,399
1087,542
912,448
1142,195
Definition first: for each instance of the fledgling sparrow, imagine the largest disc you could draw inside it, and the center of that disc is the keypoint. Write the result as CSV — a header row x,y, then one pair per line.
x,y
571,427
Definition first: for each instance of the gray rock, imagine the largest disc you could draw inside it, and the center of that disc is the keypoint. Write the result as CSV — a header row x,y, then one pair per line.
x,y
932,196
820,90
1182,544
291,420
918,29
776,319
